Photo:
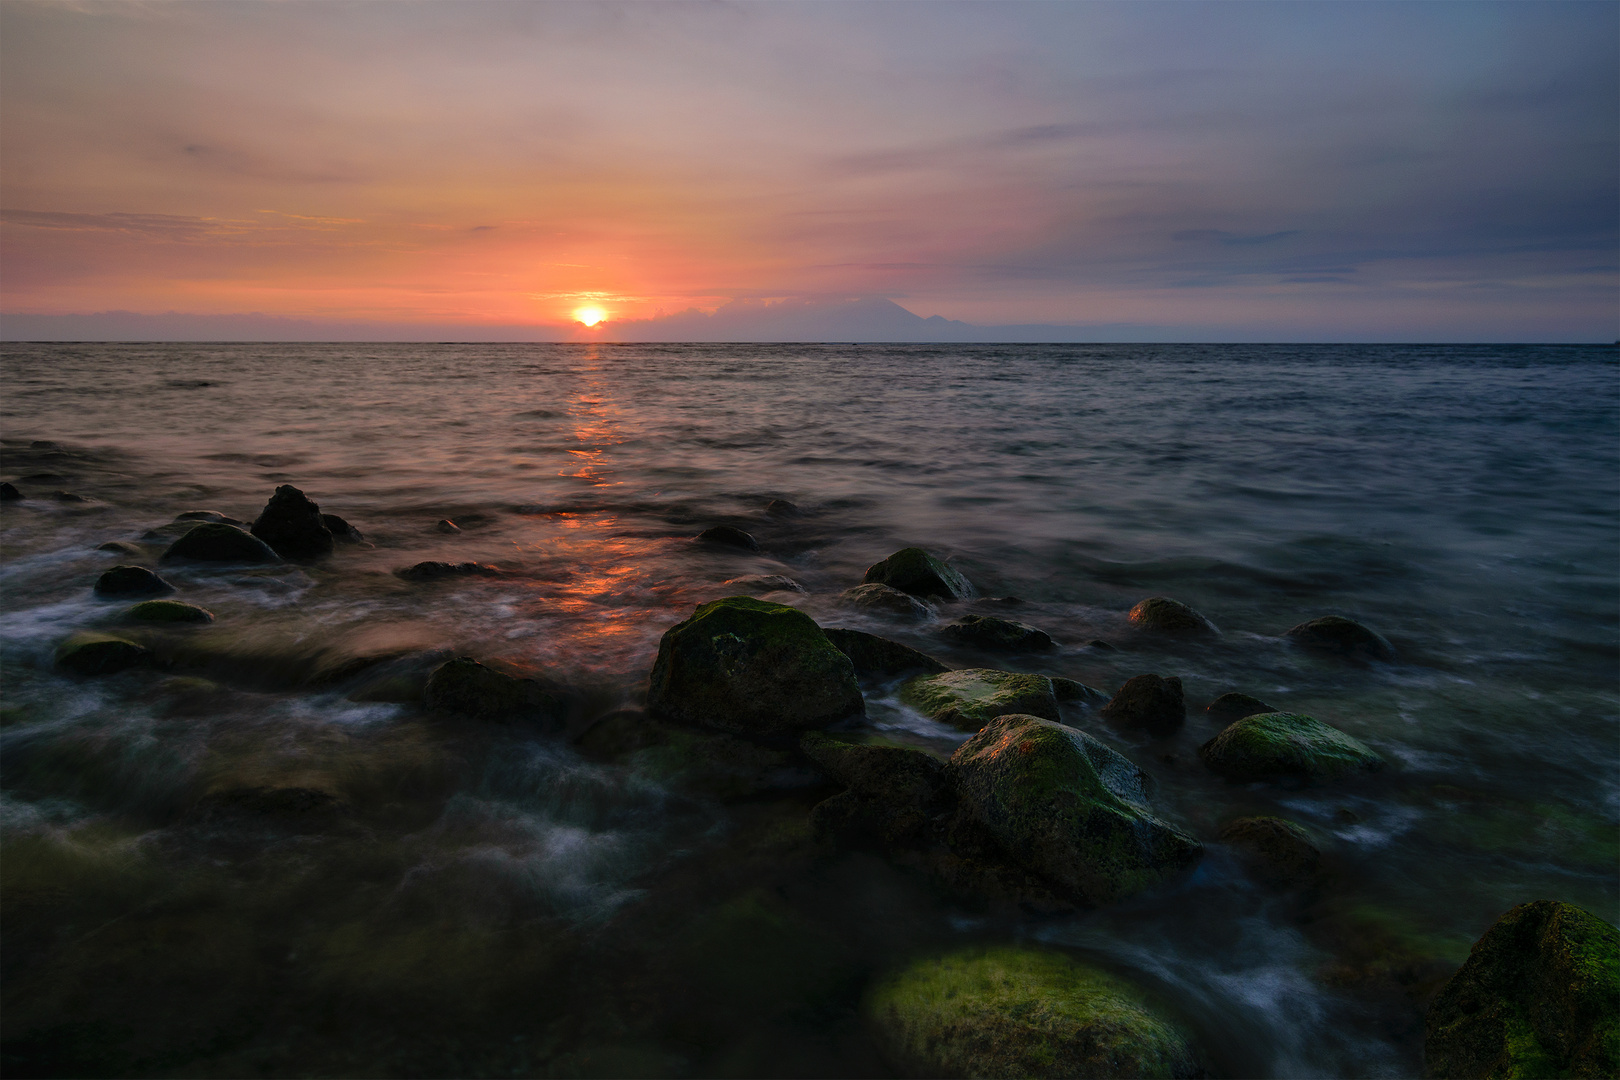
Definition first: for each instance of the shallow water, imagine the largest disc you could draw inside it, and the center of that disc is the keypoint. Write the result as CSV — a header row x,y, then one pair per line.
x,y
491,902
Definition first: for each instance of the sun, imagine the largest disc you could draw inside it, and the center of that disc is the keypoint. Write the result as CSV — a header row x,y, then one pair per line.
x,y
590,316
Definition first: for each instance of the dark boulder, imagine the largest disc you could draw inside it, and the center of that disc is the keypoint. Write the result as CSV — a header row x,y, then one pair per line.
x,y
885,600
131,581
1100,645
1070,691
781,508
894,791
1147,701
764,583
446,526
729,536
1280,851
971,698
913,570
1229,708
1166,616
9,493
997,634
208,515
752,667
1343,637
1277,744
467,688
169,611
215,541
291,524
694,761
88,653
434,571
1539,995
342,532
121,547
877,656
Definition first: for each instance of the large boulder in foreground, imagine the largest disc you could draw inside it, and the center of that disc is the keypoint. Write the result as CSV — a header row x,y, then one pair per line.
x,y
998,634
214,541
292,525
1022,1012
1166,616
1065,806
913,570
1286,744
971,698
1342,637
468,688
1539,995
752,667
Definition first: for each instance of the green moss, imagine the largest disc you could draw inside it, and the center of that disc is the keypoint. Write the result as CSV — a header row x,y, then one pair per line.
x,y
1016,1012
913,570
1286,744
970,698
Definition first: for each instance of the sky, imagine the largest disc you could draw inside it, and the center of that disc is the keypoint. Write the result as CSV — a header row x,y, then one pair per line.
x,y
1198,171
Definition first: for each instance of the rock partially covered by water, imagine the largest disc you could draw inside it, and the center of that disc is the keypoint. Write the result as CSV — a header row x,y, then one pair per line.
x,y
873,655
433,571
998,634
764,583
1341,636
1147,701
729,536
1281,851
9,493
207,515
169,611
121,547
217,542
752,667
913,570
711,764
89,653
1167,616
1068,690
341,530
886,600
894,791
1286,744
131,581
1229,708
972,697
291,524
1067,807
1021,1012
1539,995
468,688
782,508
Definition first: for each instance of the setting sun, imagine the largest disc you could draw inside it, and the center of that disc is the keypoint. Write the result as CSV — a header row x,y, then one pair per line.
x,y
590,316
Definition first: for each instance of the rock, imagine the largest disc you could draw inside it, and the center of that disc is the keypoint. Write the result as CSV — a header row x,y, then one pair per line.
x,y
760,583
88,653
1345,637
730,537
998,634
217,542
1539,995
782,508
884,600
131,581
121,547
1068,690
208,515
873,655
1011,1011
71,497
1100,645
894,791
752,667
1286,744
1150,702
1164,615
971,698
341,530
446,526
1280,850
468,688
433,571
1067,807
169,611
9,493
712,764
291,524
1232,707
913,570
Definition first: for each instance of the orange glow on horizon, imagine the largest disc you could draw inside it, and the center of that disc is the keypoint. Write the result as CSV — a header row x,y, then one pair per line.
x,y
590,316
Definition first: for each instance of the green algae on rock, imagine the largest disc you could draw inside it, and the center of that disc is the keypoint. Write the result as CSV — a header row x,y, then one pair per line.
x,y
873,655
1067,807
1021,1012
1281,851
913,570
214,541
994,632
970,698
752,667
1286,744
90,653
1345,637
1166,616
466,687
1539,995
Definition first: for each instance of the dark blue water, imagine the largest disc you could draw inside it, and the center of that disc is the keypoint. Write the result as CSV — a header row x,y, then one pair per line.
x,y
1461,500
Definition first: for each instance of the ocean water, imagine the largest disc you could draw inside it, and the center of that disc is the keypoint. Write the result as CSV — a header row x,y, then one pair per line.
x,y
494,902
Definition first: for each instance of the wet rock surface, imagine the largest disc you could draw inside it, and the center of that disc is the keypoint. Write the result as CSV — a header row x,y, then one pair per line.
x,y
342,532
886,600
1150,702
894,791
169,611
215,541
729,536
468,688
131,581
291,524
1271,745
90,653
972,697
9,492
436,571
1280,851
1229,708
996,634
915,571
1336,635
873,655
1072,691
1166,616
764,583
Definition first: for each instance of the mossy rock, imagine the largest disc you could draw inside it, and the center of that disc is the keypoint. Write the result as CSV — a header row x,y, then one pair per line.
x,y
881,599
1341,636
1151,702
873,655
913,570
1067,807
1020,1012
169,611
1166,616
131,581
214,541
468,688
1539,996
1280,851
997,634
894,791
90,653
970,698
1286,744
752,667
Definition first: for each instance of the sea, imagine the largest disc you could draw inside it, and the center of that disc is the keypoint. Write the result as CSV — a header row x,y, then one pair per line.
x,y
473,899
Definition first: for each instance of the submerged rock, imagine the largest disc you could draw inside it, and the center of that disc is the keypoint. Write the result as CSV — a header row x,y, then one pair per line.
x,y
214,541
121,547
752,667
1345,637
89,653
1147,701
781,508
1012,1011
913,570
886,600
730,537
131,581
446,526
433,571
712,764
1286,744
291,524
1001,635
972,697
1280,850
341,530
1232,707
1067,807
1167,616
873,655
207,515
169,611
9,493
1068,690
894,791
1539,995
468,688
759,583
